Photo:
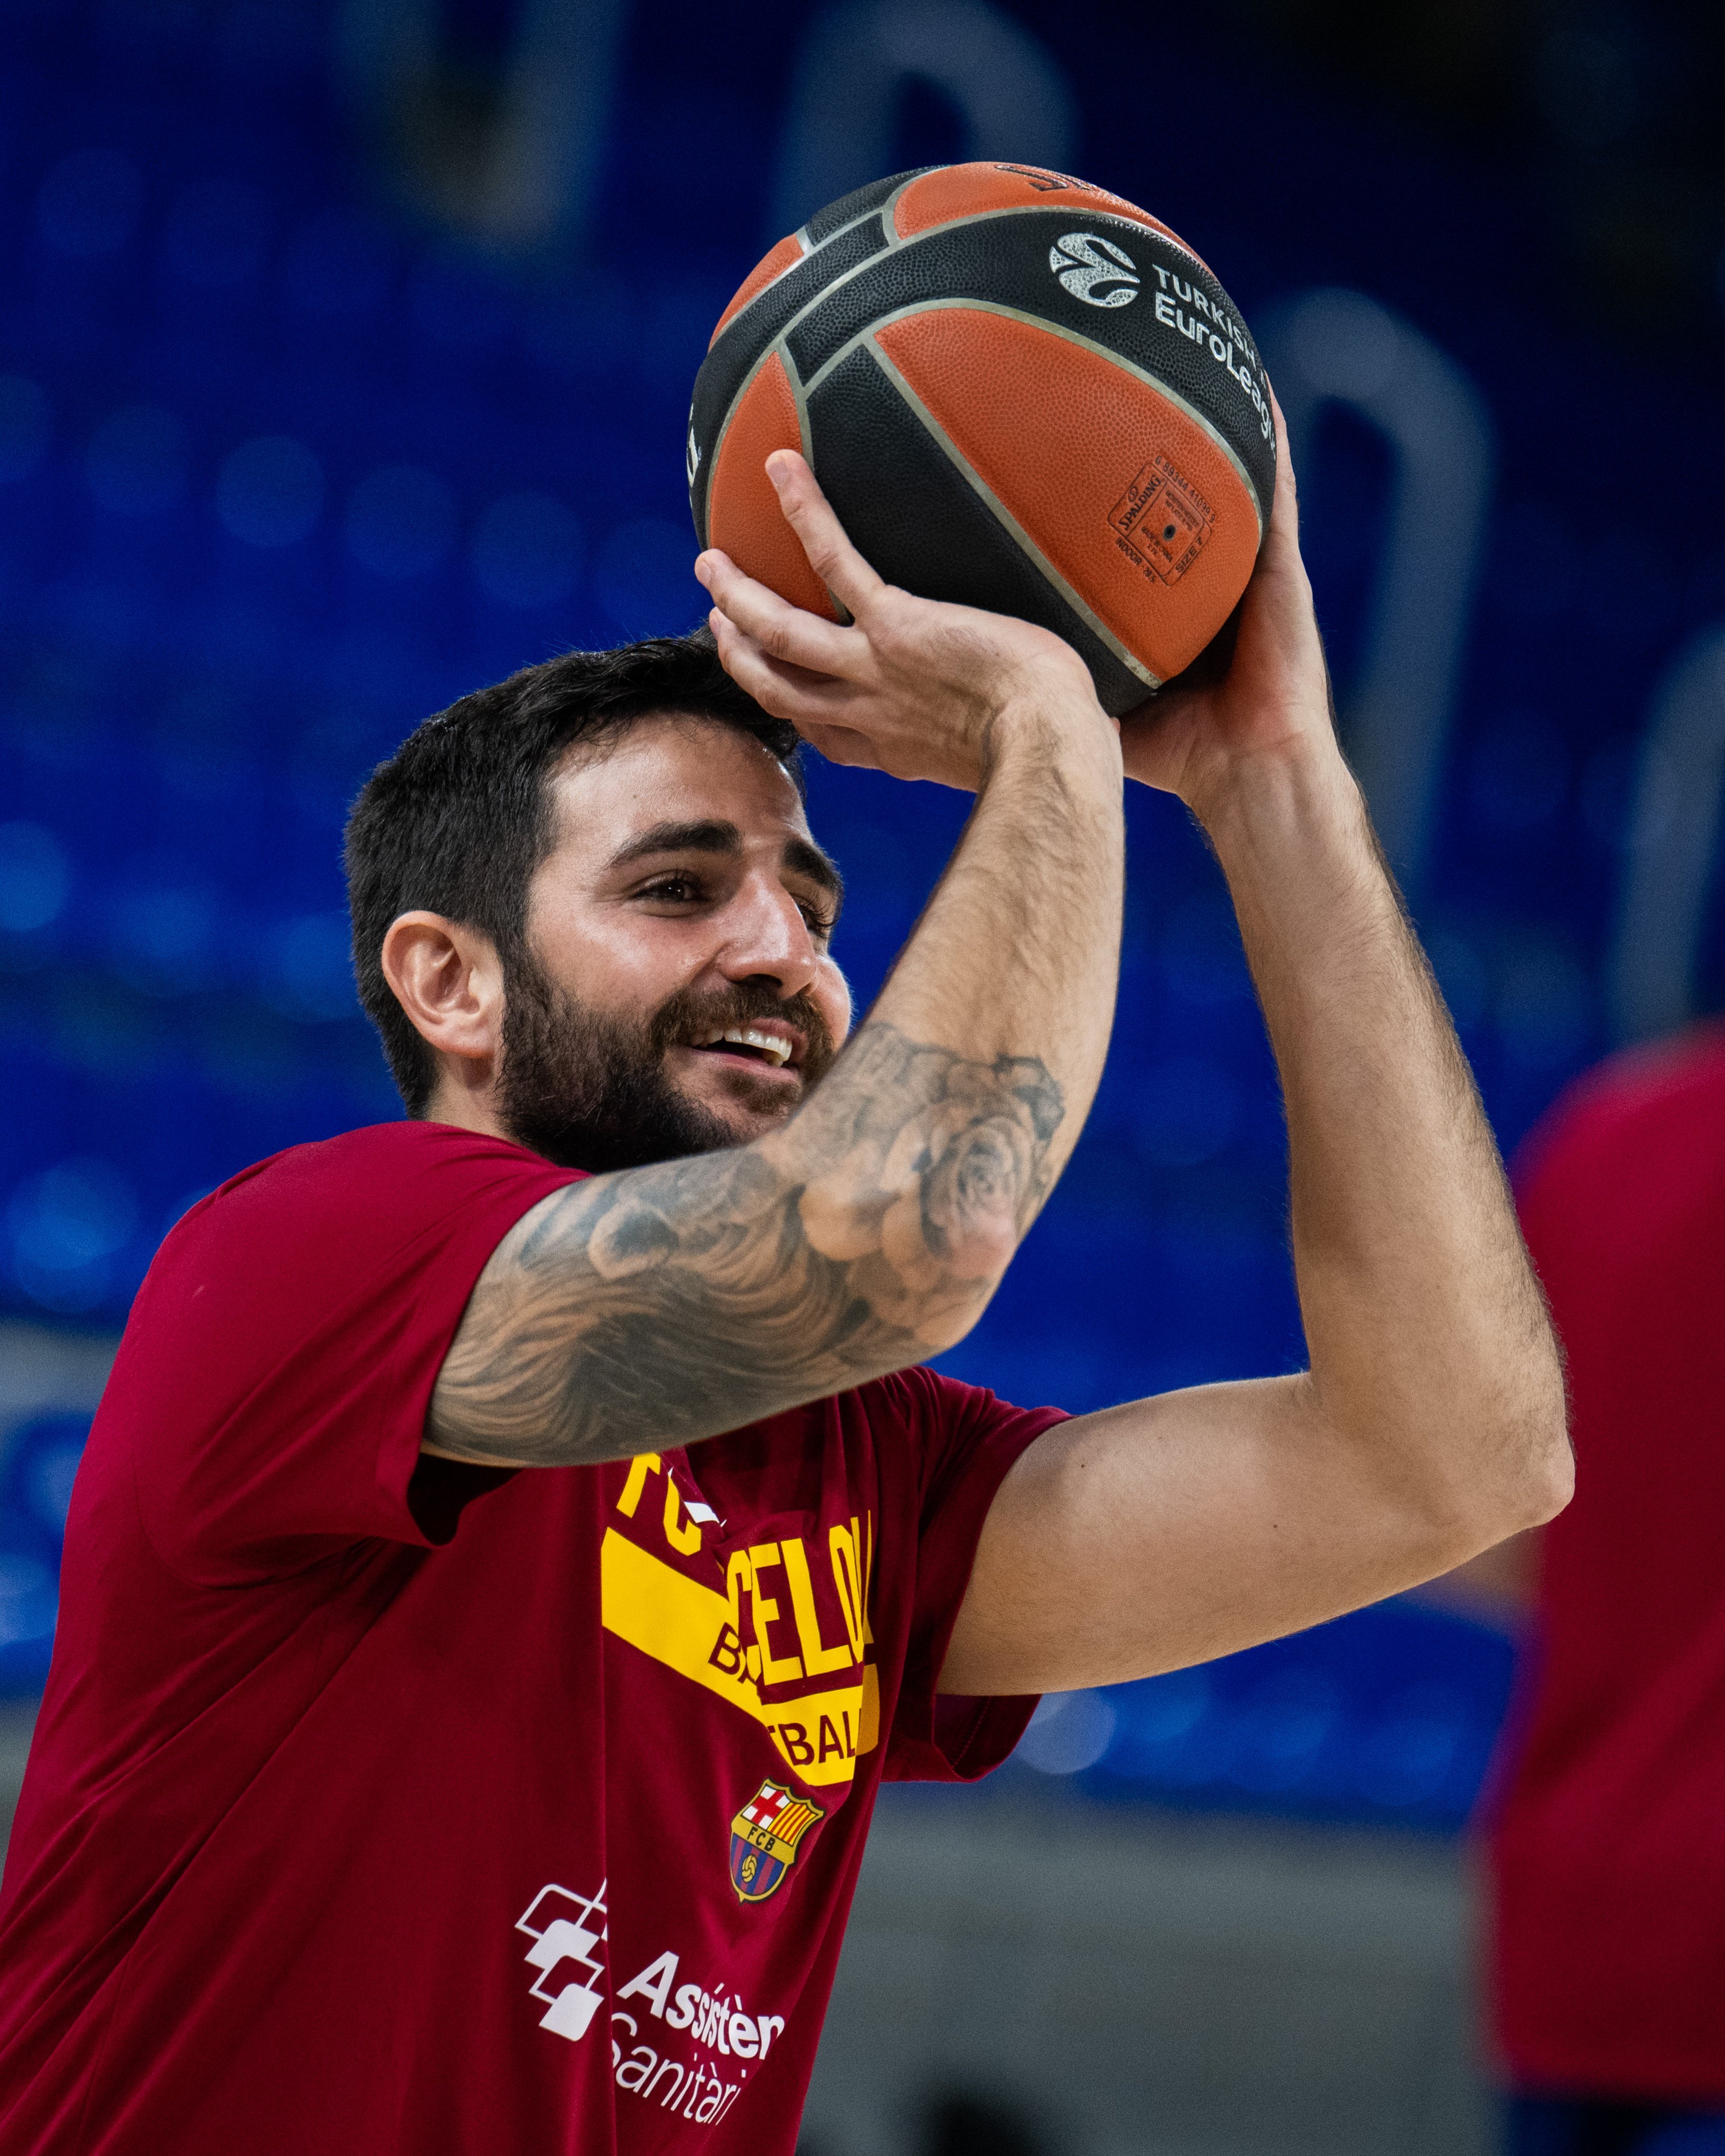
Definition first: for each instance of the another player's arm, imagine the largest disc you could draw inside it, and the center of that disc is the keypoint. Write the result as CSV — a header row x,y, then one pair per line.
x,y
1430,1424
668,1303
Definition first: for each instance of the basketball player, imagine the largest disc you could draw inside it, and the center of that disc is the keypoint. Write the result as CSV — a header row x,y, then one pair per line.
x,y
1605,1874
516,1542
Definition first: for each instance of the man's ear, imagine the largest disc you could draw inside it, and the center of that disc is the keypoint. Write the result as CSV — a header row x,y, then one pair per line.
x,y
449,980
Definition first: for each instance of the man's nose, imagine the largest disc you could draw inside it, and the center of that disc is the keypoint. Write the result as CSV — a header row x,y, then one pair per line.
x,y
765,934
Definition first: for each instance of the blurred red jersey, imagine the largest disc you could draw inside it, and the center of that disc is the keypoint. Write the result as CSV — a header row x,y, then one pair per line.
x,y
385,1804
1608,1854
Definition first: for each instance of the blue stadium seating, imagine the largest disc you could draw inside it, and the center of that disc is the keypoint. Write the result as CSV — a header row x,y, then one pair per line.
x,y
36,1470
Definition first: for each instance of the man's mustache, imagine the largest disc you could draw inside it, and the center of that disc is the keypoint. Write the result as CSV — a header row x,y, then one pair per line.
x,y
690,1016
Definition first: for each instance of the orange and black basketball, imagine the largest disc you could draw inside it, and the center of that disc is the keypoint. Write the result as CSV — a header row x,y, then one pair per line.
x,y
1018,392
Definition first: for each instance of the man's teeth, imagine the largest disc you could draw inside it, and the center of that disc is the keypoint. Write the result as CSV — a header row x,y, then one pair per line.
x,y
771,1045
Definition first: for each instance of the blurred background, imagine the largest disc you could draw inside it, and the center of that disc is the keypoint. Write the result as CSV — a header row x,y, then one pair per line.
x,y
345,352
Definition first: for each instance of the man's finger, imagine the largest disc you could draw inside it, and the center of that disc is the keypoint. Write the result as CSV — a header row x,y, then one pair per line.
x,y
1284,503
788,691
841,745
810,514
788,631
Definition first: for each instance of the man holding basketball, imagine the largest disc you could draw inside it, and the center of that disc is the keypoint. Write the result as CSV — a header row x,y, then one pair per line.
x,y
388,1797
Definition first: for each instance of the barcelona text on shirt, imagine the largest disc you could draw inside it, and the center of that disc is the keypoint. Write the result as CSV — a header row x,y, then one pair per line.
x,y
785,1641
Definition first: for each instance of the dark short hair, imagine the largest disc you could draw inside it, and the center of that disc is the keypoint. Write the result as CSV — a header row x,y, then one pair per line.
x,y
459,817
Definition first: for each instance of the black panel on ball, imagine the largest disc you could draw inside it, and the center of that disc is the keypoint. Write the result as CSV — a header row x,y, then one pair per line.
x,y
734,352
916,518
1005,258
826,222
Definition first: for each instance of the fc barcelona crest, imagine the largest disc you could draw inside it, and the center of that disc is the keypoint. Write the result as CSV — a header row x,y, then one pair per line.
x,y
764,1837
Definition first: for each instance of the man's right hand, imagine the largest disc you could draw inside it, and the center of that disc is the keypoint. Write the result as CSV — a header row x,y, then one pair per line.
x,y
911,686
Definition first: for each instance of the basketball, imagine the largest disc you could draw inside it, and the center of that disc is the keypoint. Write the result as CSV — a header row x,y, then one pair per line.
x,y
1018,392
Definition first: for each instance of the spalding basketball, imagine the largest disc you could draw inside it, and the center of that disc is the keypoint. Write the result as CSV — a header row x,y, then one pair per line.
x,y
1018,392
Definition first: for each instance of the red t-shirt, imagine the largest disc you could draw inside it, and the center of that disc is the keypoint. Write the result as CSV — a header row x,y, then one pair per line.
x,y
348,1826
1608,1856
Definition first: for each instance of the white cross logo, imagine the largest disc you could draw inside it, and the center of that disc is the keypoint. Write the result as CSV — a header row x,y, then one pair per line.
x,y
573,1935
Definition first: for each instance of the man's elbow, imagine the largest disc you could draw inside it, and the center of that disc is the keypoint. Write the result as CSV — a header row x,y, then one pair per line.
x,y
1538,1446
1522,1470
952,1297
943,1319
1550,1473
1469,1462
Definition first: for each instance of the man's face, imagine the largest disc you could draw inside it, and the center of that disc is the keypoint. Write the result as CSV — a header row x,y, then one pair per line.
x,y
678,996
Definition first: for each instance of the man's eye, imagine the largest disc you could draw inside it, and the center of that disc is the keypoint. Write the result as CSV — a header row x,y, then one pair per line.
x,y
821,923
679,891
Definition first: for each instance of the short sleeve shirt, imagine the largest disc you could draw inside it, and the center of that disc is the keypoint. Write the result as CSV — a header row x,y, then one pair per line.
x,y
383,1803
1608,1861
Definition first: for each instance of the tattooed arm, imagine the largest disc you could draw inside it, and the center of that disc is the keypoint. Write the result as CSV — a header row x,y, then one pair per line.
x,y
668,1303
662,1305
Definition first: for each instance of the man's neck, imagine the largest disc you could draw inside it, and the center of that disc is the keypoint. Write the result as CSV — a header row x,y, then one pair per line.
x,y
467,1107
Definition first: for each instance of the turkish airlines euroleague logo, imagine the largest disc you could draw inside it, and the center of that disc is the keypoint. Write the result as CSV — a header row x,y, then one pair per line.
x,y
1094,269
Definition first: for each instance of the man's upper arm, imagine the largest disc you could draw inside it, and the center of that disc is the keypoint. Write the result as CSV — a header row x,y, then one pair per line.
x,y
1175,1529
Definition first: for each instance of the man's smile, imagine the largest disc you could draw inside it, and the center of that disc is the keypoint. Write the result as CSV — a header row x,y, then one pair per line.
x,y
767,1041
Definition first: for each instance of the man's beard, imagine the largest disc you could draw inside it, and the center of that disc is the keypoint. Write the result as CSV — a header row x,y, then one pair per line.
x,y
588,1089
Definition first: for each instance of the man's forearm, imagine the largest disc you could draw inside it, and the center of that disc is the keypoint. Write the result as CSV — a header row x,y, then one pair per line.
x,y
1017,951
1428,1335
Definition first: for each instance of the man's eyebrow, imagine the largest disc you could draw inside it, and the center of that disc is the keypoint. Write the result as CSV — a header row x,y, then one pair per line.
x,y
709,835
818,865
713,835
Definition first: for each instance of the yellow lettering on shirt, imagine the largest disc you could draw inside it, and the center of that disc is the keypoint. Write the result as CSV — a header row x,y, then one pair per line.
x,y
775,1669
851,1574
685,1539
689,1629
639,1468
739,1574
847,1577
683,1535
818,1658
868,1717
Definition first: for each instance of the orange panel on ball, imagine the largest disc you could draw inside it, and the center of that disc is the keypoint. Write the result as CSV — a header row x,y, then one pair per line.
x,y
972,190
767,271
1127,496
743,517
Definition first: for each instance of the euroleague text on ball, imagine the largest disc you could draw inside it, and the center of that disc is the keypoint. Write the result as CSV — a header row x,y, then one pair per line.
x,y
1221,343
